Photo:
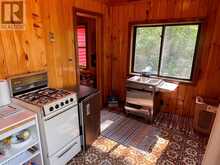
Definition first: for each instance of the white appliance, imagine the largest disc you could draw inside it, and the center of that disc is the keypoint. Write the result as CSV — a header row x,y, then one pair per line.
x,y
4,93
57,115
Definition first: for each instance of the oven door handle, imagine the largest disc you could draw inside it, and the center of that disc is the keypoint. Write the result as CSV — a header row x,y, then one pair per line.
x,y
59,156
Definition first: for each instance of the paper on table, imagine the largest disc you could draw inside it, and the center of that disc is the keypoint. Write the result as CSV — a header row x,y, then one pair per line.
x,y
166,86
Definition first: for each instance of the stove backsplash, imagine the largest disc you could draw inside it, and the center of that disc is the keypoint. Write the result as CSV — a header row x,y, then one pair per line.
x,y
27,82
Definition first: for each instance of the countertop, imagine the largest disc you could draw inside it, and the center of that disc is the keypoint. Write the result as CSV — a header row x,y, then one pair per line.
x,y
12,116
84,91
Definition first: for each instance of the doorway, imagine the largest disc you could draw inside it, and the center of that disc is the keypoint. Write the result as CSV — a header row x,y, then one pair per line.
x,y
86,41
88,31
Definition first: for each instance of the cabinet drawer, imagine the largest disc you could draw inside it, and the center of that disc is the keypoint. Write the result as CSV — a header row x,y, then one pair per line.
x,y
140,98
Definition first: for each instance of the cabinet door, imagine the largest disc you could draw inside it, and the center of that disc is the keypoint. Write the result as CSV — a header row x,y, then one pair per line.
x,y
91,108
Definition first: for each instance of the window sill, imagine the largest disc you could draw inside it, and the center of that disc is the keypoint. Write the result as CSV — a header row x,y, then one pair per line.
x,y
172,80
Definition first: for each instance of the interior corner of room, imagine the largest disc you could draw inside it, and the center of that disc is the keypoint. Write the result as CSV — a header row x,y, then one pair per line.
x,y
109,82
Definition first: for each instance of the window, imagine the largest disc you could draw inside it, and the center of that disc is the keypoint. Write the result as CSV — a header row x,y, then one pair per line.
x,y
165,50
82,46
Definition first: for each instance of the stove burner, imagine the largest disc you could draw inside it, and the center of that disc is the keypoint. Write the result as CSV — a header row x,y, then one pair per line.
x,y
43,100
29,97
43,96
47,91
60,94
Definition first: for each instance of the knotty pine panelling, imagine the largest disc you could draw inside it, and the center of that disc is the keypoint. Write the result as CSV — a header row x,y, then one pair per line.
x,y
91,5
30,50
24,51
107,55
181,101
57,19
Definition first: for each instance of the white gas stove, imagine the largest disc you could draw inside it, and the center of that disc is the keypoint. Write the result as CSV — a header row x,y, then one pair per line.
x,y
57,111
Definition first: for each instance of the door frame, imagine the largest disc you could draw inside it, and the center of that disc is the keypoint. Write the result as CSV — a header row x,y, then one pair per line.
x,y
99,47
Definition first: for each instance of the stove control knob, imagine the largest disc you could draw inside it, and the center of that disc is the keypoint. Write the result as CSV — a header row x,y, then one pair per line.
x,y
62,104
67,102
71,99
57,106
51,109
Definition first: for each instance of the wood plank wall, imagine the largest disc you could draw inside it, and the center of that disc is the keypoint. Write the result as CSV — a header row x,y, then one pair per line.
x,y
91,5
182,101
24,51
30,50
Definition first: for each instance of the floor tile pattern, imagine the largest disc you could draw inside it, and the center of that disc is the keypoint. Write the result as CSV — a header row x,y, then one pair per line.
x,y
173,147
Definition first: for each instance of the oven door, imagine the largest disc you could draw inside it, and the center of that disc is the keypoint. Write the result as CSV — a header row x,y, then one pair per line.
x,y
61,129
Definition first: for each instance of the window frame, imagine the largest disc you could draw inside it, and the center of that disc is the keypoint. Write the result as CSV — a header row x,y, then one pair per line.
x,y
86,47
163,26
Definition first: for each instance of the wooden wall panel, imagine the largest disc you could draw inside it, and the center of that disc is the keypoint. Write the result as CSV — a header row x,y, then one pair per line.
x,y
181,101
90,5
107,55
57,19
24,51
30,50
3,69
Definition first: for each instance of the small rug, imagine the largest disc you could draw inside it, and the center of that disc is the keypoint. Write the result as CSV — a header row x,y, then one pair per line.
x,y
128,131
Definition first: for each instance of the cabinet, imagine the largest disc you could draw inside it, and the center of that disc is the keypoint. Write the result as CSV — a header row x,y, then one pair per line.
x,y
89,107
19,154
